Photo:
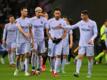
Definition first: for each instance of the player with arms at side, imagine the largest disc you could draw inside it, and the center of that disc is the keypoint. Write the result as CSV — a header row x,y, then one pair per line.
x,y
9,39
23,41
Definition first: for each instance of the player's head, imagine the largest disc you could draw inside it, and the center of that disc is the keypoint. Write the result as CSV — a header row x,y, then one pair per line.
x,y
38,11
11,18
57,13
66,19
84,15
69,21
105,22
24,11
45,14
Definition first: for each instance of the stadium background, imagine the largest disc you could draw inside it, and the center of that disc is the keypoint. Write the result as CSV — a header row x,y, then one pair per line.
x,y
70,8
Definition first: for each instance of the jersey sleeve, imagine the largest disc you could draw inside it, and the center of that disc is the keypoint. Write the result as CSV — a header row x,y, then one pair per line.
x,y
29,22
95,31
5,32
70,32
18,22
75,25
64,24
47,24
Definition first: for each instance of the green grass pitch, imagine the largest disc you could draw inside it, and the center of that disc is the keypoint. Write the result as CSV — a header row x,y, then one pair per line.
x,y
99,73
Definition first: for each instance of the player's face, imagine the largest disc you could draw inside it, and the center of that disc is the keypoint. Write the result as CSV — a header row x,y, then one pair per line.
x,y
39,13
66,20
84,17
24,12
46,15
11,19
57,14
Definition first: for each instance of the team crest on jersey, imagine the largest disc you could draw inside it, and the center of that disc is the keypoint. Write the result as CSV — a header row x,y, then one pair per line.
x,y
41,22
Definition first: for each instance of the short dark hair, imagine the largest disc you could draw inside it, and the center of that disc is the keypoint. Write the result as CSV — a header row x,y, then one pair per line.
x,y
85,12
10,16
23,8
70,21
57,9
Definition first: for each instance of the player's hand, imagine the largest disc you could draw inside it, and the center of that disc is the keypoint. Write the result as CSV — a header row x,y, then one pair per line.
x,y
32,45
50,38
71,45
27,35
4,43
59,26
17,24
91,42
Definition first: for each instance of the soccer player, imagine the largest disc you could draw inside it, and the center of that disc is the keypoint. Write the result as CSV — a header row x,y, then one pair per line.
x,y
88,33
66,44
103,38
55,43
9,39
38,23
45,56
23,42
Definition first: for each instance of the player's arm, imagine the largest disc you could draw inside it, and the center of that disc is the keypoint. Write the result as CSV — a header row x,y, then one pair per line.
x,y
48,34
21,30
32,38
102,32
64,34
47,31
74,26
95,33
4,34
71,40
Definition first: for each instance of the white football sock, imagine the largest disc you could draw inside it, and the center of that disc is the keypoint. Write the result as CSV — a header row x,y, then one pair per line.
x,y
33,59
78,66
52,63
12,57
38,62
57,64
26,64
90,66
63,64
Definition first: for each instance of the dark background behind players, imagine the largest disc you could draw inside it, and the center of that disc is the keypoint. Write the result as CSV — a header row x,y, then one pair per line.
x,y
70,8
